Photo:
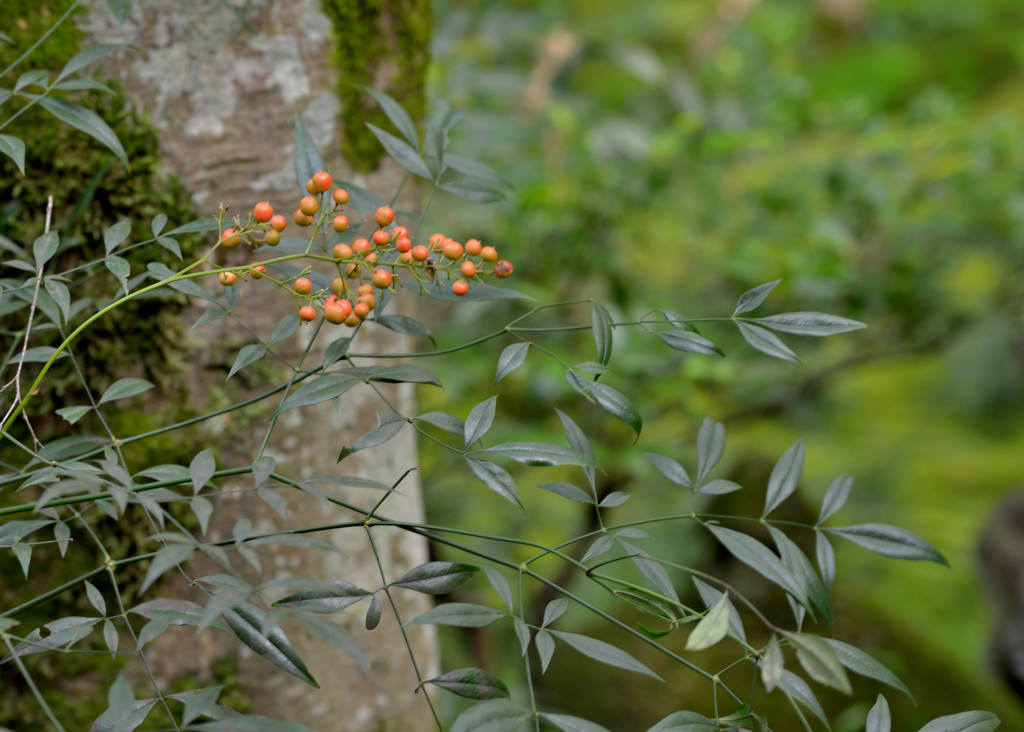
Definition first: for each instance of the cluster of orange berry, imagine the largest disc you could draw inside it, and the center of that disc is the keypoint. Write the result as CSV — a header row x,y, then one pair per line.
x,y
387,250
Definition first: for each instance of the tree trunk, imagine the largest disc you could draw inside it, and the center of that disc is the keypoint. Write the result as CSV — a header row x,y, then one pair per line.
x,y
223,81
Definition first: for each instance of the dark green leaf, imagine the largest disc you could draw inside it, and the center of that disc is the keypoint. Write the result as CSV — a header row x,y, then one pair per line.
x,y
510,359
373,613
650,568
491,716
364,201
601,322
890,541
670,468
809,324
158,223
285,328
603,652
249,354
324,597
601,545
537,453
319,389
472,683
194,227
819,660
650,605
567,723
389,425
120,268
578,441
800,567
250,723
684,340
710,446
797,689
861,663
85,57
335,350
86,121
436,578
14,148
447,422
826,557
750,299
338,637
248,622
308,159
473,190
615,498
124,388
758,557
975,721
402,153
396,113
785,476
567,490
404,324
404,374
685,722
120,9
766,342
500,585
460,614
474,169
611,400
170,556
836,497
44,247
73,414
479,420
496,478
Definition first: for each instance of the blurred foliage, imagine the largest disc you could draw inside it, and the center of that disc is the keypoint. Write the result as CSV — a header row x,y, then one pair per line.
x,y
671,154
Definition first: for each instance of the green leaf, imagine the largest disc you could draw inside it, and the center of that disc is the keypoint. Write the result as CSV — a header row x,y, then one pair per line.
x,y
611,400
819,660
169,556
308,159
670,468
537,453
338,637
202,702
750,299
510,359
324,597
545,645
826,557
207,223
201,469
73,414
975,721
447,422
473,190
879,719
718,487
86,57
603,652
500,585
797,689
861,663
479,420
601,544
459,614
403,374
396,113
689,342
601,322
44,247
835,497
615,498
86,121
496,478
319,389
554,610
471,683
800,567
567,490
23,553
650,568
373,614
491,716
785,476
335,350
758,557
389,425
809,324
364,201
890,541
404,324
578,441
685,722
436,578
710,446
247,355
95,598
110,637
710,596
60,294
402,153
250,723
248,622
772,664
124,388
120,9
36,77
712,628
650,605
475,169
567,723
766,342
120,268
14,148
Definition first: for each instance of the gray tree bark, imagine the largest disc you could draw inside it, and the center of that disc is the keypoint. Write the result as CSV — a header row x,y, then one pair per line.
x,y
223,81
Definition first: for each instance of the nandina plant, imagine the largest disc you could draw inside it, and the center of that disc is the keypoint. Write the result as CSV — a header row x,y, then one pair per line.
x,y
353,254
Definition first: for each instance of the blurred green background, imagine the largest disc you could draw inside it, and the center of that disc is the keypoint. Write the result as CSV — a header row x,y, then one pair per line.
x,y
671,154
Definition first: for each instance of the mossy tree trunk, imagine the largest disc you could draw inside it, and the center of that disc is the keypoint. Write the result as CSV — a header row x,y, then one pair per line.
x,y
223,82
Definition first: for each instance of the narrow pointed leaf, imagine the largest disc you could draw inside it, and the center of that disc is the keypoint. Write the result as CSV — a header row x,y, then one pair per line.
x,y
712,627
554,610
800,567
402,152
73,414
459,614
116,234
567,490
473,190
710,596
611,400
652,570
447,422
890,541
835,497
601,322
601,545
545,645
785,476
975,721
766,342
578,441
797,688
690,342
373,614
603,652
201,469
568,723
710,446
247,622
750,299
496,478
170,556
249,354
14,148
758,557
670,468
685,722
479,420
819,660
319,389
325,597
396,113
491,716
436,578
472,683
879,719
772,664
809,324
404,324
861,663
537,453
338,637
123,388
86,121
510,359
44,247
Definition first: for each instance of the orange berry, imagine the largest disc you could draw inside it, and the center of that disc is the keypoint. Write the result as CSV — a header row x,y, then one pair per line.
x,y
361,309
398,232
322,180
352,270
370,300
340,223
460,287
229,238
384,216
489,254
473,247
257,270
403,244
370,257
435,240
452,249
361,246
405,258
338,285
333,312
227,278
365,289
341,251
278,222
468,269
303,286
302,219
353,320
381,237
340,196
262,212
503,269
309,205
272,238
382,278
420,253
311,187
307,313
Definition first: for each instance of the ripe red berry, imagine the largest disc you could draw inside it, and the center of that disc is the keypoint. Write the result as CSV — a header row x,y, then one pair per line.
x,y
342,251
229,238
473,247
322,180
382,278
333,312
503,269
370,300
278,222
302,219
468,269
460,287
361,246
227,278
340,223
257,270
489,254
365,289
435,240
309,205
262,212
340,196
381,237
361,309
303,286
370,257
384,216
420,253
272,238
452,249
403,244
307,313
398,232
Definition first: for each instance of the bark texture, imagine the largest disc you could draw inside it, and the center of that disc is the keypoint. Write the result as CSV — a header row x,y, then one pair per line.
x,y
223,82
